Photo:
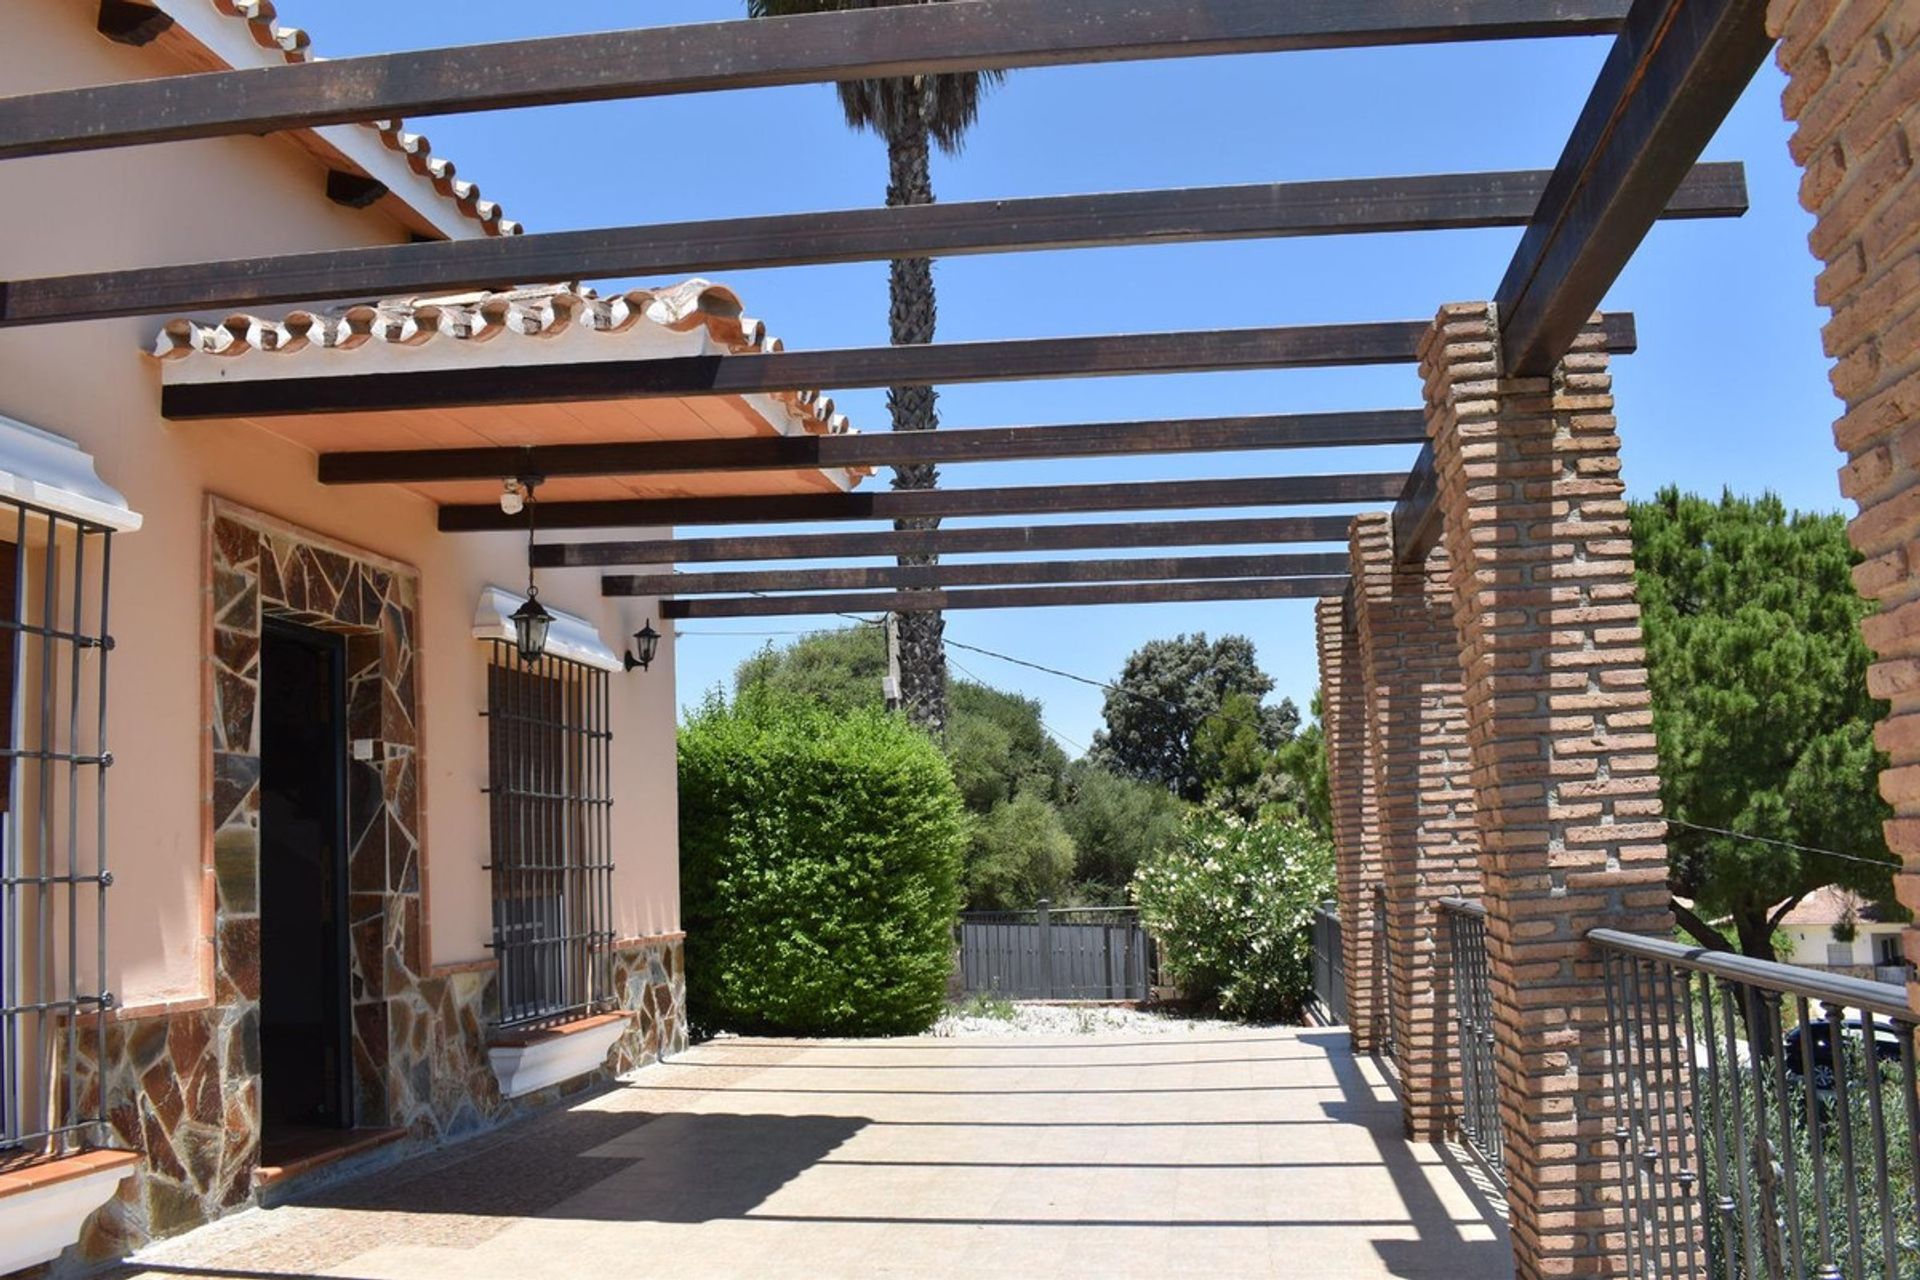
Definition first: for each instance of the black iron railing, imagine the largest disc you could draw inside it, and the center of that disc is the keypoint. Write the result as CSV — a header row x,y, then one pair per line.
x,y
53,790
1792,1145
1382,975
1329,965
1471,993
549,799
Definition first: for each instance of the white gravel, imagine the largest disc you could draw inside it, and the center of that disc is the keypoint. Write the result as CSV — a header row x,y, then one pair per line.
x,y
969,1019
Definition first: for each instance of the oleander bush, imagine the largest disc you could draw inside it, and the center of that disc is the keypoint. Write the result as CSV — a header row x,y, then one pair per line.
x,y
1232,905
820,868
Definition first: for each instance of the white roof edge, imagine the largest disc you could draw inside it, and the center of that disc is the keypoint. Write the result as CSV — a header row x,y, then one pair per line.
x,y
571,637
41,469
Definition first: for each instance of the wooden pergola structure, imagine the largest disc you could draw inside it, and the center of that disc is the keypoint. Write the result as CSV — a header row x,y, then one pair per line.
x,y
1477,643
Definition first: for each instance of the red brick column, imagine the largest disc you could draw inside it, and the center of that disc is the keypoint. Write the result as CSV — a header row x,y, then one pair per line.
x,y
1343,717
1429,847
1853,69
1559,729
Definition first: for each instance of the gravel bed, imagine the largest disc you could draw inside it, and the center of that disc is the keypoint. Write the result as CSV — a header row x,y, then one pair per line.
x,y
1022,1019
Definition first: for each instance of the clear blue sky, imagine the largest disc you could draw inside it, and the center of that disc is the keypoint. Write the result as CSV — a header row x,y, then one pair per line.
x,y
1729,388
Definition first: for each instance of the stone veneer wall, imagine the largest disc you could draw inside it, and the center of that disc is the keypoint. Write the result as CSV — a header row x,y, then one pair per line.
x,y
1853,72
183,1083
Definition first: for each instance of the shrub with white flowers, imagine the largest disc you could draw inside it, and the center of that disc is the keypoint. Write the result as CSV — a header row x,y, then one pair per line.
x,y
1232,904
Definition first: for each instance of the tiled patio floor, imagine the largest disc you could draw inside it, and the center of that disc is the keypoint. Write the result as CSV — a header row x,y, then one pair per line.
x,y
1250,1152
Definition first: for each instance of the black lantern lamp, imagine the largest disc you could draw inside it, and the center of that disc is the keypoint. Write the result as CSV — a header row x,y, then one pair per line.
x,y
649,642
531,621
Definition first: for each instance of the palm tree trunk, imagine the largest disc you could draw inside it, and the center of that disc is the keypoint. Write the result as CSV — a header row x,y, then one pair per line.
x,y
911,315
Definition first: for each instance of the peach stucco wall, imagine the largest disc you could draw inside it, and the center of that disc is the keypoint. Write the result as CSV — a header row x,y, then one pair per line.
x,y
92,382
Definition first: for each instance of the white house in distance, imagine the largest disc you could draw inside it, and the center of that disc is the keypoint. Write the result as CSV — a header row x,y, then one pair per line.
x,y
1836,928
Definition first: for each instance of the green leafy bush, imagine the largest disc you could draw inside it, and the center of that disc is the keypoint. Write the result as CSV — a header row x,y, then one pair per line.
x,y
820,866
1020,853
1116,824
1232,906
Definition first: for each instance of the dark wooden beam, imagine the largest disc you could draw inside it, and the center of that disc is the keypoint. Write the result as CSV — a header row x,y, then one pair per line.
x,y
854,45
936,504
354,190
132,22
1004,598
1003,574
1673,75
1261,531
1416,516
881,449
784,240
1219,350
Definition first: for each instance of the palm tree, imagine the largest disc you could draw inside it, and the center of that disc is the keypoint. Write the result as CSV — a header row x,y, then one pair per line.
x,y
912,115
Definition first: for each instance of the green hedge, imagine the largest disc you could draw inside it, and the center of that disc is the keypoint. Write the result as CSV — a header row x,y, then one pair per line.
x,y
1233,909
820,861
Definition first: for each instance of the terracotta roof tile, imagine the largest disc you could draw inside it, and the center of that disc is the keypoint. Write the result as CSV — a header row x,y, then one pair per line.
x,y
532,311
294,45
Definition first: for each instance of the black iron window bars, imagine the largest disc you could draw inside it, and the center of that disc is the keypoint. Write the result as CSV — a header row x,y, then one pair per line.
x,y
549,803
53,783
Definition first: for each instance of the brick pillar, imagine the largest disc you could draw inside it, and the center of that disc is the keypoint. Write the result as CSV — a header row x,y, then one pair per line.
x,y
1350,779
1853,69
1560,735
1429,847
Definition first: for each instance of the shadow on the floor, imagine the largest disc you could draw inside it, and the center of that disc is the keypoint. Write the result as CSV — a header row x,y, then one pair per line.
x,y
607,1166
1442,1249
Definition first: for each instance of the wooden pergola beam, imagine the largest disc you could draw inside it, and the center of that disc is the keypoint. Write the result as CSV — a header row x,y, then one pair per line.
x,y
1416,515
1201,351
1004,598
1267,210
1002,574
1131,534
880,449
936,504
854,45
1675,72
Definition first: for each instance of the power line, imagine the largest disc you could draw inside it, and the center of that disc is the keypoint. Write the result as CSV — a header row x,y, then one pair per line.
x,y
1883,863
1043,724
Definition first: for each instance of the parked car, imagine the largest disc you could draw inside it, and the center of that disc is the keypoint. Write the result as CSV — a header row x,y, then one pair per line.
x,y
1886,1046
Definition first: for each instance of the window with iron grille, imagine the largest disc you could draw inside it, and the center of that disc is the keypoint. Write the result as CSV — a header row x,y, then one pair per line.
x,y
552,854
53,841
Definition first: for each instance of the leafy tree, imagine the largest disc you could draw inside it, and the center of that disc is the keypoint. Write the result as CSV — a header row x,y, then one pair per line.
x,y
840,669
910,114
1228,756
999,747
1020,853
820,856
1165,694
1301,766
1761,709
1116,824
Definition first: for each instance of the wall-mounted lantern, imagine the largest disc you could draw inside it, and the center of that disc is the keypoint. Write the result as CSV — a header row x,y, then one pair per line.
x,y
648,642
531,621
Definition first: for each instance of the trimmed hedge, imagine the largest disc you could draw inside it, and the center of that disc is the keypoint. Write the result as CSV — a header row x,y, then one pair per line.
x,y
1233,908
820,869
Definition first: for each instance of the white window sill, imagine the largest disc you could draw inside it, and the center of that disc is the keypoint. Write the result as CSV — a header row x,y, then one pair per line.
x,y
44,1205
531,1061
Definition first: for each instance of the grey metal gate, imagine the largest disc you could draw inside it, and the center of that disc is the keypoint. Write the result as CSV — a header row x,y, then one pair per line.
x,y
1049,953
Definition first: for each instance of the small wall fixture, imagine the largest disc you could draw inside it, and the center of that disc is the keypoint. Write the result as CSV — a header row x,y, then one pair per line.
x,y
648,641
531,621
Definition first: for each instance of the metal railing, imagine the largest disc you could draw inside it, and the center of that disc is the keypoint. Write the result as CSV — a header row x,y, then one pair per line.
x,y
54,646
1329,965
1767,1115
1056,953
1472,998
1382,981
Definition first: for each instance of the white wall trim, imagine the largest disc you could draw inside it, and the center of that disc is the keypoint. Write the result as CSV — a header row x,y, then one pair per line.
x,y
571,637
550,1060
40,1222
41,469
